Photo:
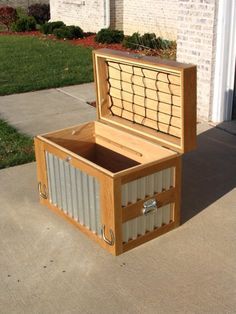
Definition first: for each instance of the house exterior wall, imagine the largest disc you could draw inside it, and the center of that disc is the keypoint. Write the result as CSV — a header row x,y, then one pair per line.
x,y
196,43
156,16
153,16
21,3
88,14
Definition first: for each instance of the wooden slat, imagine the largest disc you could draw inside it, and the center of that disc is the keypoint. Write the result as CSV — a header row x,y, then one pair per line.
x,y
130,175
155,136
160,74
139,99
137,84
135,210
146,122
154,106
134,147
150,114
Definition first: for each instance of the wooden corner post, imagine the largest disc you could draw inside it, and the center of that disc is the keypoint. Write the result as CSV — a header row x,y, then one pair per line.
x,y
111,214
41,171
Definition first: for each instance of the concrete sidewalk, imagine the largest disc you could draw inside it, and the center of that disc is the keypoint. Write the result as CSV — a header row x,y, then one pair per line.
x,y
48,266
47,110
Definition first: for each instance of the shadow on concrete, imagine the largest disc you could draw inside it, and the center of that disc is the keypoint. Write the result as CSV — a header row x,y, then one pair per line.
x,y
208,172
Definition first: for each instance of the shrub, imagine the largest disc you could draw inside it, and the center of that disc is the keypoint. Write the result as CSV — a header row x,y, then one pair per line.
x,y
69,32
24,24
146,41
21,12
8,16
133,41
109,36
49,27
41,12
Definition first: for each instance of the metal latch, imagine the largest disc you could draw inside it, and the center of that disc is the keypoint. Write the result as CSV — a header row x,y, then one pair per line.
x,y
149,206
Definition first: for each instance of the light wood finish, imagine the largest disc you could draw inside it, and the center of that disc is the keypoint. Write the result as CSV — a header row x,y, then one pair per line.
x,y
165,140
126,84
41,167
79,143
139,84
130,175
151,106
178,184
148,236
146,112
111,212
135,210
160,97
137,96
189,123
74,159
165,128
132,146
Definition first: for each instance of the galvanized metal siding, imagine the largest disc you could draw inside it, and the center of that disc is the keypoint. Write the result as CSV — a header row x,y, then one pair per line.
x,y
74,192
138,190
147,186
139,226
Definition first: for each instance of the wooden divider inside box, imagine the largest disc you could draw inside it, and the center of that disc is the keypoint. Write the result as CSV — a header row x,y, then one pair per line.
x,y
96,142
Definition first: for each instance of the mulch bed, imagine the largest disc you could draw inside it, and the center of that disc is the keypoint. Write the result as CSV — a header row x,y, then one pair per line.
x,y
89,41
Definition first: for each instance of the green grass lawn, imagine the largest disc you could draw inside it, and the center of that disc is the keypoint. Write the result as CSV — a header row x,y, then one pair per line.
x,y
31,63
15,148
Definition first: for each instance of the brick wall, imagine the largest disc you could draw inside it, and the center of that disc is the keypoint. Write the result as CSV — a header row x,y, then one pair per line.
x,y
196,43
88,14
21,3
156,16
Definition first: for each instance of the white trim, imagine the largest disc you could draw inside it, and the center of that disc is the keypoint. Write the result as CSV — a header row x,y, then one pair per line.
x,y
225,61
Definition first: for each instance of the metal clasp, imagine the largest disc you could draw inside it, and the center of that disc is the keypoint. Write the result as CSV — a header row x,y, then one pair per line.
x,y
44,193
149,206
110,242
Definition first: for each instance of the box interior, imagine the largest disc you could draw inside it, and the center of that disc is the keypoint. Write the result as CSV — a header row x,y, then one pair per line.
x,y
107,147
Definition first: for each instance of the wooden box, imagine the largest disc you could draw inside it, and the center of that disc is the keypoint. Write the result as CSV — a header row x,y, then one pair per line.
x,y
118,179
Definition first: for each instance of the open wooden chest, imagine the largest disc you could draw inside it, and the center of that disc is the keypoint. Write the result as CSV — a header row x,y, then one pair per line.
x,y
118,179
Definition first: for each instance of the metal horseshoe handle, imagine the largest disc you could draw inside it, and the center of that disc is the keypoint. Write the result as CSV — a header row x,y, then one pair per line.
x,y
44,193
110,242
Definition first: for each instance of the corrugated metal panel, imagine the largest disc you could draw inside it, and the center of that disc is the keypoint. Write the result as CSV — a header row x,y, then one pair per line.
x,y
139,189
148,223
147,186
74,192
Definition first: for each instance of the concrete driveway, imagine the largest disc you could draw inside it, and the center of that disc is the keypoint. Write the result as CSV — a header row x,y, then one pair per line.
x,y
48,266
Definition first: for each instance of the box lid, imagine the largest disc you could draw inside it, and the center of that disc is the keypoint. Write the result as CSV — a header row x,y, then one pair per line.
x,y
147,96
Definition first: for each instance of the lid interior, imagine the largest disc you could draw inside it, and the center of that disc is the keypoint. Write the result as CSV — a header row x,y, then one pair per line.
x,y
143,97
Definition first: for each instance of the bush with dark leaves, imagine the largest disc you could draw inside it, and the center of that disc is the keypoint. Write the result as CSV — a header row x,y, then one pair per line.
x,y
41,12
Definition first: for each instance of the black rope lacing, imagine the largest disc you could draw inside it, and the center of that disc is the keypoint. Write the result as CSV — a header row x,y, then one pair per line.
x,y
124,93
